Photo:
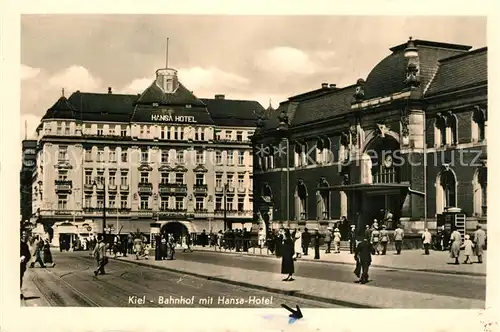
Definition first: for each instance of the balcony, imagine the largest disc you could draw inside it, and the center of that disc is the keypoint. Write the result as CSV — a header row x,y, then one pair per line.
x,y
63,185
100,187
176,188
202,213
112,188
145,188
219,189
88,187
124,188
145,213
172,213
242,190
234,213
200,188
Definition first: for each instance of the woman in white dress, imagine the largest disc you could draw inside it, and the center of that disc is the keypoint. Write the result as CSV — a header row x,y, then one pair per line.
x,y
298,243
456,244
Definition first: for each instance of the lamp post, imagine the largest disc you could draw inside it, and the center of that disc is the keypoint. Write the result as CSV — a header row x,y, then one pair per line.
x,y
226,187
103,207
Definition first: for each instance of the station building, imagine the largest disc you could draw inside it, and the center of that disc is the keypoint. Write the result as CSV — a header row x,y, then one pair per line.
x,y
162,157
409,141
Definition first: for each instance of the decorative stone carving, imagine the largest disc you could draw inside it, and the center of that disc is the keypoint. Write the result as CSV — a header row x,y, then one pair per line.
x,y
405,121
359,95
354,134
345,178
412,77
382,129
446,167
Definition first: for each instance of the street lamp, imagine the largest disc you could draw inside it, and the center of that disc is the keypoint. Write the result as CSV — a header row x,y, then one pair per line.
x,y
226,189
104,205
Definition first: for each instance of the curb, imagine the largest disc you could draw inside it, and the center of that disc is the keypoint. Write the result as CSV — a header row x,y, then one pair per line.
x,y
294,293
465,273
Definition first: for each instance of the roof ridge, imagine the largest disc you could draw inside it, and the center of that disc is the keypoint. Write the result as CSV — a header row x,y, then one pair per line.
x,y
463,55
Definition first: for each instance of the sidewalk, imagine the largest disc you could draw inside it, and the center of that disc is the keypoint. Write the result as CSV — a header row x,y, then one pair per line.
x,y
340,293
437,261
32,295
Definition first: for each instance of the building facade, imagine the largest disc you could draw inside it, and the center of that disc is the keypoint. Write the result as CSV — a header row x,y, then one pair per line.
x,y
407,144
135,160
26,178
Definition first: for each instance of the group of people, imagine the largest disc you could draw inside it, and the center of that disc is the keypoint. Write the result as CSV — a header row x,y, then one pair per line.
x,y
471,248
165,247
231,239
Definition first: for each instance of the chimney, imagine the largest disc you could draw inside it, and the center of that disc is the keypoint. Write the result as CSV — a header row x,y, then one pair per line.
x,y
333,86
109,90
324,85
220,97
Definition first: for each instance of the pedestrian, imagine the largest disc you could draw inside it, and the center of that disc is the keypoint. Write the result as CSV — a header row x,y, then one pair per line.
x,y
287,265
336,240
399,235
363,257
352,239
427,239
138,248
297,237
25,258
100,256
261,238
306,240
456,244
47,255
479,243
384,239
375,239
279,243
38,253
468,247
368,232
158,253
164,246
328,240
170,247
315,239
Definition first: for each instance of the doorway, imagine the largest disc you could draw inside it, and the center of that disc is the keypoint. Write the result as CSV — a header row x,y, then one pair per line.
x,y
176,228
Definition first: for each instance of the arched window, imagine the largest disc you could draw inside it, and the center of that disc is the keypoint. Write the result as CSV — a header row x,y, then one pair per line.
x,y
478,125
303,154
327,151
440,131
480,192
344,147
446,190
270,157
298,150
323,200
381,161
301,201
452,129
319,151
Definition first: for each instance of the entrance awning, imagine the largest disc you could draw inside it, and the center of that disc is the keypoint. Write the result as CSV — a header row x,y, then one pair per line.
x,y
371,188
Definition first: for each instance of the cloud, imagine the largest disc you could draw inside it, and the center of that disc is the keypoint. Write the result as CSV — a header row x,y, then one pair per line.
x,y
28,72
28,125
75,78
211,79
285,60
136,86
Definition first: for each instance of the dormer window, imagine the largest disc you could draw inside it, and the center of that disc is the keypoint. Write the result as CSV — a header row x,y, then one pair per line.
x,y
166,79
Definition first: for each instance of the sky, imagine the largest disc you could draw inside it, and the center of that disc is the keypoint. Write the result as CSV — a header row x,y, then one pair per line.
x,y
263,58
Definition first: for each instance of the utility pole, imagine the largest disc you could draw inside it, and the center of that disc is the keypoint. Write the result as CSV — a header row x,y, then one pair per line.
x,y
226,185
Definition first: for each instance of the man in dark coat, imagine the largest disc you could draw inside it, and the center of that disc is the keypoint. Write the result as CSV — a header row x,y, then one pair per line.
x,y
363,256
306,241
25,257
315,239
352,239
38,254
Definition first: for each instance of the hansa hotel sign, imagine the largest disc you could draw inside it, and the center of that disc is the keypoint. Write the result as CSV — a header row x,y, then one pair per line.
x,y
169,116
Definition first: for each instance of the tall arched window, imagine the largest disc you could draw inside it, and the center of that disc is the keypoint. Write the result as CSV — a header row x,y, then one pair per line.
x,y
327,151
298,150
452,129
301,201
323,200
446,190
344,147
480,192
270,157
319,151
440,131
303,154
478,125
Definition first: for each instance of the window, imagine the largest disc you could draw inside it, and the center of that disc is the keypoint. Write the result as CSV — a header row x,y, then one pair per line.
x,y
63,153
479,125
162,133
250,182
148,131
112,202
239,136
241,181
230,181
164,156
47,128
200,157
179,203
85,129
67,128
100,177
144,202
142,131
241,204
112,155
88,155
123,201
217,135
180,156
164,178
181,131
164,203
179,178
100,201
123,132
218,157
196,138
124,179
88,177
88,201
100,130
200,203
124,156
200,179
446,190
112,178
63,175
230,157
218,203
229,134
62,202
112,131
300,201
241,158
144,156
202,135
480,191
169,133
176,134
100,155
229,203
59,128
144,177
218,180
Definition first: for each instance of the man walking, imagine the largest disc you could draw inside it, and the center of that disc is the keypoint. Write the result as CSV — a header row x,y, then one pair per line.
x,y
399,235
328,240
315,238
479,242
25,257
363,257
427,238
384,239
352,239
38,254
100,256
306,240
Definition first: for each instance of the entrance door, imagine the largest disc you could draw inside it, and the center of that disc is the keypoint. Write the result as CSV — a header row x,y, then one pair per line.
x,y
378,206
176,228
